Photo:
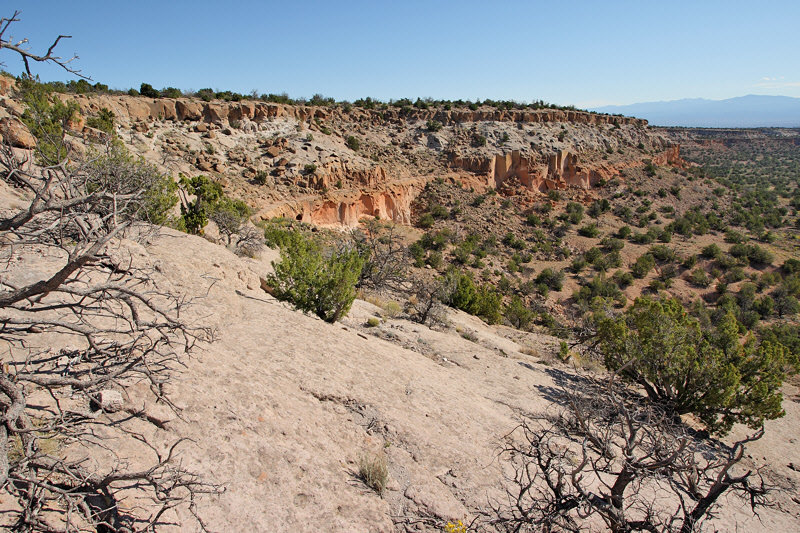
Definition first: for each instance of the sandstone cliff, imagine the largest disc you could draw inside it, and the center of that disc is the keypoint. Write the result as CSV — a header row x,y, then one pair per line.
x,y
295,161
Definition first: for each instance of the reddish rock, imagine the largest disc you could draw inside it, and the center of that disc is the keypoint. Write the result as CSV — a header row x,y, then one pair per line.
x,y
165,109
139,110
216,113
6,84
17,133
188,110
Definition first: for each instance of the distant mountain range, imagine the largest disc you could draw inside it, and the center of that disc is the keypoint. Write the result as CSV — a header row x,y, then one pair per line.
x,y
751,111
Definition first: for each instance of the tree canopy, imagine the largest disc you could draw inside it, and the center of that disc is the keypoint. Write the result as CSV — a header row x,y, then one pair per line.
x,y
717,374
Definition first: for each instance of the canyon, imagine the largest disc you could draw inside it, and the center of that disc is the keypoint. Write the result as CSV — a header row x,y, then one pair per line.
x,y
296,161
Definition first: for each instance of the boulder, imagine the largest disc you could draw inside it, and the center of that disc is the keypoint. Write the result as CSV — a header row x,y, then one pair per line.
x,y
138,110
13,107
110,401
166,109
16,133
6,84
216,113
187,110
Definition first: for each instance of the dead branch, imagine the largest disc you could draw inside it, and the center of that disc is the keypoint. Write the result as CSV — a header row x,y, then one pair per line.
x,y
82,324
27,55
608,455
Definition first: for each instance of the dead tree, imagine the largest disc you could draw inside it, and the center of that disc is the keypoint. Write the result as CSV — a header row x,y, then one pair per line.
x,y
607,459
80,323
387,259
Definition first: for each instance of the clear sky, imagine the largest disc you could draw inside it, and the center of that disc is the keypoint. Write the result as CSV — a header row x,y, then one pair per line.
x,y
586,53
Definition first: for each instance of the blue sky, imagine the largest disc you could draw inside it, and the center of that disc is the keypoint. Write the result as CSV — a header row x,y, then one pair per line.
x,y
586,53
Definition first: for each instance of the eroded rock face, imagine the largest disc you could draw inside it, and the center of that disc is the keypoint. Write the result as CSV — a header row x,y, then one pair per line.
x,y
559,170
347,208
295,161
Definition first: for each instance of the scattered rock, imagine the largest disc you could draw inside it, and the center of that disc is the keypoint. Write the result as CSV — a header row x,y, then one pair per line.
x,y
110,401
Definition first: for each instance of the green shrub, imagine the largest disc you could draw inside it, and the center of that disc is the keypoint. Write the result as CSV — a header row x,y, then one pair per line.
x,y
261,177
147,90
517,314
510,240
229,215
314,283
310,169
715,374
117,171
47,122
439,211
104,121
699,277
600,287
589,230
623,279
643,265
690,261
373,322
353,143
791,266
205,94
194,215
426,221
435,260
612,245
171,92
592,255
578,264
553,279
464,294
433,125
662,253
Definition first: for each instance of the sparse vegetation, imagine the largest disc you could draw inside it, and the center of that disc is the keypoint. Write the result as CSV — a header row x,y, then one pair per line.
x,y
312,282
373,472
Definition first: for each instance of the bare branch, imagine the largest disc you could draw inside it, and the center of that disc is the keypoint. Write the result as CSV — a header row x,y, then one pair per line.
x,y
608,454
27,55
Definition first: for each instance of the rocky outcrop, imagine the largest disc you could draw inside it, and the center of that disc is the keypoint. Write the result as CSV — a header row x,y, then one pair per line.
x,y
136,109
295,161
130,109
559,170
489,114
346,208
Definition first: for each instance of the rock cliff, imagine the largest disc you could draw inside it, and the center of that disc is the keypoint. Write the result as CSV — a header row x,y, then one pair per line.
x,y
302,161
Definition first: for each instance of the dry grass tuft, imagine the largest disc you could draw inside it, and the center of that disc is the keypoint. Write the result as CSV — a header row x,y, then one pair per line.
x,y
373,472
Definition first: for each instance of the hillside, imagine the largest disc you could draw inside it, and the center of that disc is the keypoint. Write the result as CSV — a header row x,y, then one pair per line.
x,y
558,209
265,152
281,407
